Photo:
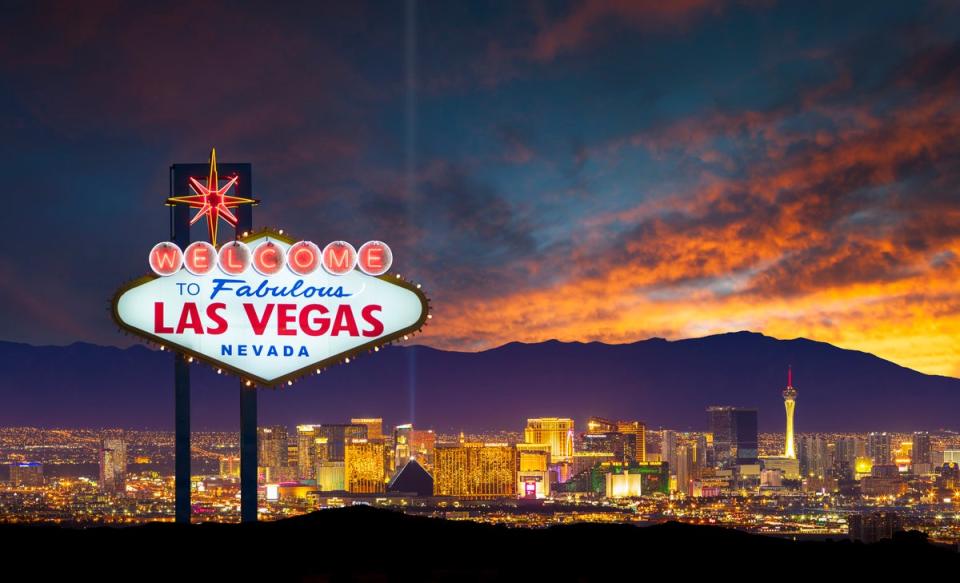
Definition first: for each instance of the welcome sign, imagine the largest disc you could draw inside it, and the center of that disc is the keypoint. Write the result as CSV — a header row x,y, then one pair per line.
x,y
269,308
265,306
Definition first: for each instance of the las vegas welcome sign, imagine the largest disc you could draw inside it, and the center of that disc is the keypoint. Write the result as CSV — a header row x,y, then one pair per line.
x,y
270,308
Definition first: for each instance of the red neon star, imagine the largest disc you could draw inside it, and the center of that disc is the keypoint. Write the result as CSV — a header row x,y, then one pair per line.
x,y
212,200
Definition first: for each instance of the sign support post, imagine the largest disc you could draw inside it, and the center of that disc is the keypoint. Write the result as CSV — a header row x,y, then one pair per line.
x,y
180,234
248,417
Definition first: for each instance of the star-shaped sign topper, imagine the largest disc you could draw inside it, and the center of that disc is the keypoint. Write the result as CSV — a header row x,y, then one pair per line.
x,y
212,200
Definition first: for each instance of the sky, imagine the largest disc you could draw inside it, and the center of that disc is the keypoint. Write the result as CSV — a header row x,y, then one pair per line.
x,y
590,170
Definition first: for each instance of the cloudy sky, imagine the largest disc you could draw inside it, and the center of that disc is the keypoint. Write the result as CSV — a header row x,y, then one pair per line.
x,y
589,170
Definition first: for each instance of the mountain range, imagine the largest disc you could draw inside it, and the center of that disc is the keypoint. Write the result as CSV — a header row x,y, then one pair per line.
x,y
664,383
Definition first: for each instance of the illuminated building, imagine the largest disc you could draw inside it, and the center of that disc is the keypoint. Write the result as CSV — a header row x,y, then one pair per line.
x,y
879,447
412,479
555,432
621,446
951,456
921,450
625,485
814,456
271,448
374,426
26,473
668,449
585,460
789,466
638,431
329,473
113,464
337,436
771,478
475,470
533,474
789,403
230,466
845,457
883,481
330,477
402,447
870,527
600,425
422,444
413,444
863,466
734,432
648,477
306,452
363,471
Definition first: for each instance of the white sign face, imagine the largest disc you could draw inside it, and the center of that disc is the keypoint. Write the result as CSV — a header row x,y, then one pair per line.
x,y
270,328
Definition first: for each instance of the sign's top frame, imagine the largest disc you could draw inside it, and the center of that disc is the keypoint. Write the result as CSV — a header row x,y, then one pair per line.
x,y
285,380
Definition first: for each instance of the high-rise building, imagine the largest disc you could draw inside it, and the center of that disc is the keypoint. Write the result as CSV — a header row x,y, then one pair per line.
x,y
555,432
668,449
814,456
600,425
870,527
879,448
337,436
845,457
374,426
638,430
272,446
533,470
921,447
789,403
402,447
306,451
329,473
113,464
363,470
735,438
475,470
26,473
230,466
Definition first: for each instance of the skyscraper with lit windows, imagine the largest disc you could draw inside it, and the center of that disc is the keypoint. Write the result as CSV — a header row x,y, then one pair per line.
x,y
556,432
306,451
475,470
113,464
363,469
735,437
374,426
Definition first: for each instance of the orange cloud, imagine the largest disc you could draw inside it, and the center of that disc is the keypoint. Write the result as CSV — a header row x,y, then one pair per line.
x,y
801,245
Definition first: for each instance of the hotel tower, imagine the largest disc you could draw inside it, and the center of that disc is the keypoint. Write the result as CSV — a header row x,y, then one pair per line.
x,y
789,403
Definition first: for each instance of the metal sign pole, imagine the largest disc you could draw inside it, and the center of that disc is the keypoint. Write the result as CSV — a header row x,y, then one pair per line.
x,y
180,234
248,415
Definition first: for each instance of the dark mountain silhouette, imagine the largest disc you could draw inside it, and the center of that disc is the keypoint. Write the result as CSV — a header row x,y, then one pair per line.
x,y
367,544
662,382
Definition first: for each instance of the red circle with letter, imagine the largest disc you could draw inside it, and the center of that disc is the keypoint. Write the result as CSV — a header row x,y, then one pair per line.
x,y
234,257
165,258
268,258
303,258
339,258
200,258
374,258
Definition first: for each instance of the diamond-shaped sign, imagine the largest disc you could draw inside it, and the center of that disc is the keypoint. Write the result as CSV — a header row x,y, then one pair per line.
x,y
270,328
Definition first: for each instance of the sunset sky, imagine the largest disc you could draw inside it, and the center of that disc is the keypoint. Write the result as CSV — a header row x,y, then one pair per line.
x,y
592,170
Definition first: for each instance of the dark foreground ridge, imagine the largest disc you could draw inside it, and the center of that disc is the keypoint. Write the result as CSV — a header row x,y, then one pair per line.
x,y
362,543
